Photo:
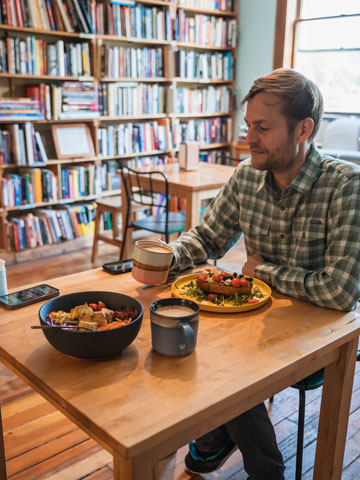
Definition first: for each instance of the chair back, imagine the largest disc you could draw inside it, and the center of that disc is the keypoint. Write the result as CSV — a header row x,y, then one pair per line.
x,y
223,158
138,187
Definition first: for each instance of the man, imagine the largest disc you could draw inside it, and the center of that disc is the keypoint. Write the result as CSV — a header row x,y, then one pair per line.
x,y
300,215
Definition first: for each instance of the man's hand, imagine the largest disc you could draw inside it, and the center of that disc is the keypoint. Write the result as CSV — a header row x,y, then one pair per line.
x,y
250,264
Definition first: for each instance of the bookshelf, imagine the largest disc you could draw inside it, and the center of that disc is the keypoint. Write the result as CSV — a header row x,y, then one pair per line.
x,y
159,72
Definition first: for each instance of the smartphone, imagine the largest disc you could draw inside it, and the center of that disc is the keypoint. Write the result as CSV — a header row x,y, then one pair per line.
x,y
28,296
120,266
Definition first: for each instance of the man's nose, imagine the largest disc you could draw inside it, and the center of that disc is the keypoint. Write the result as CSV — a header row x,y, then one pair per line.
x,y
252,136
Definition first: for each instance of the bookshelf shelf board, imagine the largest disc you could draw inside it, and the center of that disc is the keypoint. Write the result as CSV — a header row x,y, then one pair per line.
x,y
135,154
196,46
201,80
221,13
39,31
132,80
23,119
132,117
140,41
156,2
45,77
214,146
56,161
62,201
199,115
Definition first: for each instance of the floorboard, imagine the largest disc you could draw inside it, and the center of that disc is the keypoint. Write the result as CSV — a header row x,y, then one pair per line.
x,y
41,444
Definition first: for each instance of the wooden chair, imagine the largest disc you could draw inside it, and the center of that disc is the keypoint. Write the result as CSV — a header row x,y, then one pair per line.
x,y
112,206
157,218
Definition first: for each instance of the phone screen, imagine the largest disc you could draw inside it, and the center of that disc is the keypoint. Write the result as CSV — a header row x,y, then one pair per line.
x,y
121,266
29,295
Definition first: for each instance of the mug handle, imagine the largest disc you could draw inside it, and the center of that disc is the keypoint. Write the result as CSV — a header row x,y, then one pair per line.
x,y
189,344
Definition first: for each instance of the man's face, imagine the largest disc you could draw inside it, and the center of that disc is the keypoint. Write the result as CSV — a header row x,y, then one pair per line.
x,y
271,144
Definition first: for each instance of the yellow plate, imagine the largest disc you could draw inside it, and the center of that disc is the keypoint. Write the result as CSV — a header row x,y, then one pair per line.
x,y
179,285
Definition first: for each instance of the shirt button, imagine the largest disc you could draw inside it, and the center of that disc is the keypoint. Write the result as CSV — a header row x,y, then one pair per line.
x,y
282,207
282,262
282,236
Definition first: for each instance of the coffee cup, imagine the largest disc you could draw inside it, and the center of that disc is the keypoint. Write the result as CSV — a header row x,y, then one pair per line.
x,y
174,326
151,261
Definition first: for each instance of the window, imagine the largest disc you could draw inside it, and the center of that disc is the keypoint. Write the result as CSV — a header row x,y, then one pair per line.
x,y
327,50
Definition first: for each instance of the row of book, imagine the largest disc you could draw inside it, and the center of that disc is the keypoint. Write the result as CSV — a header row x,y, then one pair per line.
x,y
200,100
129,62
21,145
223,5
132,99
205,30
34,56
62,15
136,20
206,66
132,138
204,131
78,181
73,100
50,226
31,186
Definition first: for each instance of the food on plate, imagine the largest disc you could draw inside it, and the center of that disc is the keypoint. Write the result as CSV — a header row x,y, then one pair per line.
x,y
215,287
95,316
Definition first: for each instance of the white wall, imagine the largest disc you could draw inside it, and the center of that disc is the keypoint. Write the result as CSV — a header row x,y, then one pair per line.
x,y
255,45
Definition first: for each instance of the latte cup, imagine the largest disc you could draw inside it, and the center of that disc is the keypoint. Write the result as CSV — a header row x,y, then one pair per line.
x,y
151,261
174,326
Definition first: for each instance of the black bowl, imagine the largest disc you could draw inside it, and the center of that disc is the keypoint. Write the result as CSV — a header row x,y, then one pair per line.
x,y
97,344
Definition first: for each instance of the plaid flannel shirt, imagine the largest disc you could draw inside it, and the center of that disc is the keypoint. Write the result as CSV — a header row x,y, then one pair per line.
x,y
309,234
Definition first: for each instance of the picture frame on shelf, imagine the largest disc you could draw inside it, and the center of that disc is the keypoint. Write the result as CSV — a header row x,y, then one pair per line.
x,y
73,140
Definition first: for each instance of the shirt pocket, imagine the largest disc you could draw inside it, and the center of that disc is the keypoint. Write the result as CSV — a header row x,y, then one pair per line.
x,y
310,240
257,238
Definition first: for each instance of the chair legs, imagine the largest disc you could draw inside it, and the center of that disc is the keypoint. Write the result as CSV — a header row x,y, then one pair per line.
x,y
2,453
300,435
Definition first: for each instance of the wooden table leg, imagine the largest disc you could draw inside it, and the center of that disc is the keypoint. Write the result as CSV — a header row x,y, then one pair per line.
x,y
143,467
2,453
193,206
334,414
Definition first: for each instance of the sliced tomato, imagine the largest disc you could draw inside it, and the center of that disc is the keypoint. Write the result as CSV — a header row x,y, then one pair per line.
x,y
213,296
202,278
101,305
236,282
93,306
217,278
253,300
243,282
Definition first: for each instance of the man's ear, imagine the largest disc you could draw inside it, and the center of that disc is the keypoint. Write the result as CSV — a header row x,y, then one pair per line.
x,y
306,127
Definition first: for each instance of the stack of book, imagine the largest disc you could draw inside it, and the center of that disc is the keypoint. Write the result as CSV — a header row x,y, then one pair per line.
x,y
78,181
35,56
139,21
205,30
205,131
31,187
63,15
200,100
21,109
129,62
129,138
132,99
22,145
46,227
223,5
203,65
74,100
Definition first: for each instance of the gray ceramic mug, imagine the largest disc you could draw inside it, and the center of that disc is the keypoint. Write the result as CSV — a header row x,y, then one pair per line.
x,y
174,326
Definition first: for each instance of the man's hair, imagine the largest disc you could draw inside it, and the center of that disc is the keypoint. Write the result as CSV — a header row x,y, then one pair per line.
x,y
301,97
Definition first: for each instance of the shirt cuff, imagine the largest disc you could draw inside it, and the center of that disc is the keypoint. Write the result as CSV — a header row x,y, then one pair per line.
x,y
266,272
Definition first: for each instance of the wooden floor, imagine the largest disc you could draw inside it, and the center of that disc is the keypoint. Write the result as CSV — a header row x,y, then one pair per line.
x,y
42,444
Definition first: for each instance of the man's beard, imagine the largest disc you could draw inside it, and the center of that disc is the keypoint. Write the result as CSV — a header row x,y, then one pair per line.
x,y
280,160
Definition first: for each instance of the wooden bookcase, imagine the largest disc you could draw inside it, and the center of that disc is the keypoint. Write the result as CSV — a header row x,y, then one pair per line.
x,y
184,25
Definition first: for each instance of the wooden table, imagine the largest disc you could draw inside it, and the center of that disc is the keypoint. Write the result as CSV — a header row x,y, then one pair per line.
x,y
142,406
194,186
